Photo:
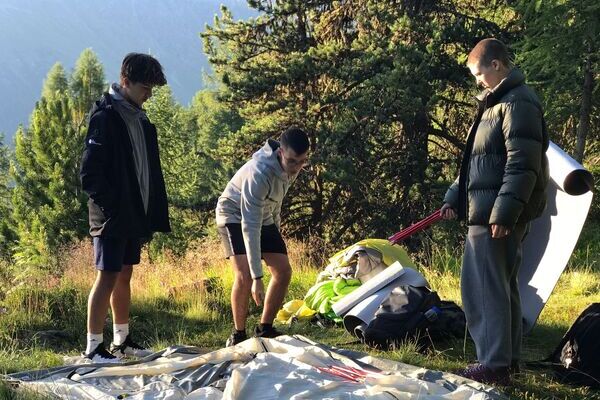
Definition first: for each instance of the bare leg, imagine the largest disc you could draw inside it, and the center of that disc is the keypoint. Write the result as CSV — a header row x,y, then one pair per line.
x,y
120,300
240,293
281,273
99,299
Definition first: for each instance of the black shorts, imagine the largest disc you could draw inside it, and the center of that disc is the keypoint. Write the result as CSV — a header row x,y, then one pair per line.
x,y
110,253
233,240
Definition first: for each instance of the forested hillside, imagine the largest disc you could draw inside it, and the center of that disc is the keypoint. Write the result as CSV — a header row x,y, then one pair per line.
x,y
381,87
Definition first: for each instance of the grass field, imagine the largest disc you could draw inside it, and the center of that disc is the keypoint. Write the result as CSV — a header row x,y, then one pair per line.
x,y
175,312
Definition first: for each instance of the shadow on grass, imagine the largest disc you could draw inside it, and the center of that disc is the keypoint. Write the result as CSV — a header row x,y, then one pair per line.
x,y
541,341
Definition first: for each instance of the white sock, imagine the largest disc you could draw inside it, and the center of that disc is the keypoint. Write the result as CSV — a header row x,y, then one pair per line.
x,y
93,340
120,332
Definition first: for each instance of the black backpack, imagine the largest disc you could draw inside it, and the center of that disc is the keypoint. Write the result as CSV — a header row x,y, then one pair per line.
x,y
576,359
450,324
404,315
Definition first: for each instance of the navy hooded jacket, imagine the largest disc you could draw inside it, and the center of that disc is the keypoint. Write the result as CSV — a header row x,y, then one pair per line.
x,y
108,177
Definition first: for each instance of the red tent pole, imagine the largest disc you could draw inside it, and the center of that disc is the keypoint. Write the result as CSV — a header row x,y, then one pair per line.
x,y
416,227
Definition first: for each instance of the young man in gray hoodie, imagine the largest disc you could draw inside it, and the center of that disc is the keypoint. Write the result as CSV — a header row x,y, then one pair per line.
x,y
248,219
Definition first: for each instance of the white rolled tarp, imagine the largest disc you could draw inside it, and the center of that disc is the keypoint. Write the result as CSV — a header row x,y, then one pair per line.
x,y
552,238
368,288
359,307
382,279
359,316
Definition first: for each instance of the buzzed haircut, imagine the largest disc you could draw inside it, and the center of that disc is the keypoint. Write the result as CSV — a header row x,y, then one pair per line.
x,y
296,139
143,68
487,50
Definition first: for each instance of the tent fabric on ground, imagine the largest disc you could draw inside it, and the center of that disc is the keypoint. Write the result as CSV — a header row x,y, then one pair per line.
x,y
282,368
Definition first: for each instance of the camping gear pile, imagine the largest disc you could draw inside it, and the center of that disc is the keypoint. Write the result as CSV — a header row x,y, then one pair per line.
x,y
374,290
346,271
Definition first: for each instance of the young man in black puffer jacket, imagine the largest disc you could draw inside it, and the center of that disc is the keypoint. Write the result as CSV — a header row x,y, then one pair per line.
x,y
500,189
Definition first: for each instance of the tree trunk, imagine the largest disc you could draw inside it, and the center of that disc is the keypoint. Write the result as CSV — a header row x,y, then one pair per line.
x,y
583,126
317,205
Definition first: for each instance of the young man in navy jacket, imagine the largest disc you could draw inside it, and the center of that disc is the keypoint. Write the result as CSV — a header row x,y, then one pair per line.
x,y
122,175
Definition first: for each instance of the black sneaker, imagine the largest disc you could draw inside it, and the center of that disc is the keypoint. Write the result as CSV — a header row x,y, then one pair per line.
x,y
129,348
235,338
101,355
269,332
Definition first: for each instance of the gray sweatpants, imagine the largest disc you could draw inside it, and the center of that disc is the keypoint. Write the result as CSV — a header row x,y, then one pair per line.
x,y
490,294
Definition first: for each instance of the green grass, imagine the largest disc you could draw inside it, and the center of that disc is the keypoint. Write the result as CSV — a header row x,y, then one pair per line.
x,y
9,392
203,319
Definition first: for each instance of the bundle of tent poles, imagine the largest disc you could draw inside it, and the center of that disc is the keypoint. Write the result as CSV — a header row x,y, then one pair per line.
x,y
416,227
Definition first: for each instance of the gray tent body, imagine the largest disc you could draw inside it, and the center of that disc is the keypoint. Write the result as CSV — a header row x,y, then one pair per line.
x,y
282,368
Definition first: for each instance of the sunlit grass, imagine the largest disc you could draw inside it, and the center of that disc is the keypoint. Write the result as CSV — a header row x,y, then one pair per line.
x,y
186,301
10,393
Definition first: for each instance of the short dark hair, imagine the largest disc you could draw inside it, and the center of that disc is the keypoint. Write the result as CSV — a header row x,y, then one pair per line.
x,y
487,50
142,68
295,139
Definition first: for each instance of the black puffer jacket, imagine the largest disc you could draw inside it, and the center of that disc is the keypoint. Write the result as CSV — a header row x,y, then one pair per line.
x,y
108,177
504,171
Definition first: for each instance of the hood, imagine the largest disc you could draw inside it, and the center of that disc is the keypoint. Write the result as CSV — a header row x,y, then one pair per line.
x,y
105,103
113,98
125,106
267,158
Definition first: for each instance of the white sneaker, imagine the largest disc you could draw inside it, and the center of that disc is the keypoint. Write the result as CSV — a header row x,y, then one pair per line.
x,y
101,355
129,348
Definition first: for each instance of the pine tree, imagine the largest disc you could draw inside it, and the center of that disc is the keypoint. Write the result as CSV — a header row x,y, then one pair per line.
x,y
87,84
56,81
190,154
216,124
373,83
177,141
181,169
48,206
7,235
560,53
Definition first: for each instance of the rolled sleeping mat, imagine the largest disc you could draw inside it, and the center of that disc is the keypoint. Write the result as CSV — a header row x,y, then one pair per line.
x,y
553,236
368,288
566,173
358,318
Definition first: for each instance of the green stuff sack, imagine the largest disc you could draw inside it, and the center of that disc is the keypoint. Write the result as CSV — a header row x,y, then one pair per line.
x,y
319,294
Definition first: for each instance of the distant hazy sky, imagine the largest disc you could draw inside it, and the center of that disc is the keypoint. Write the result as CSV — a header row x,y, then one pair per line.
x,y
35,34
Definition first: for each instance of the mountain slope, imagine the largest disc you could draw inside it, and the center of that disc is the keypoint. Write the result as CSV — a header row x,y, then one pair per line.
x,y
34,34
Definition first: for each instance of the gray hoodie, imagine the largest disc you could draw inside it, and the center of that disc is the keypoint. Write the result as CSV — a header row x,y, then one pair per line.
x,y
133,116
253,198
